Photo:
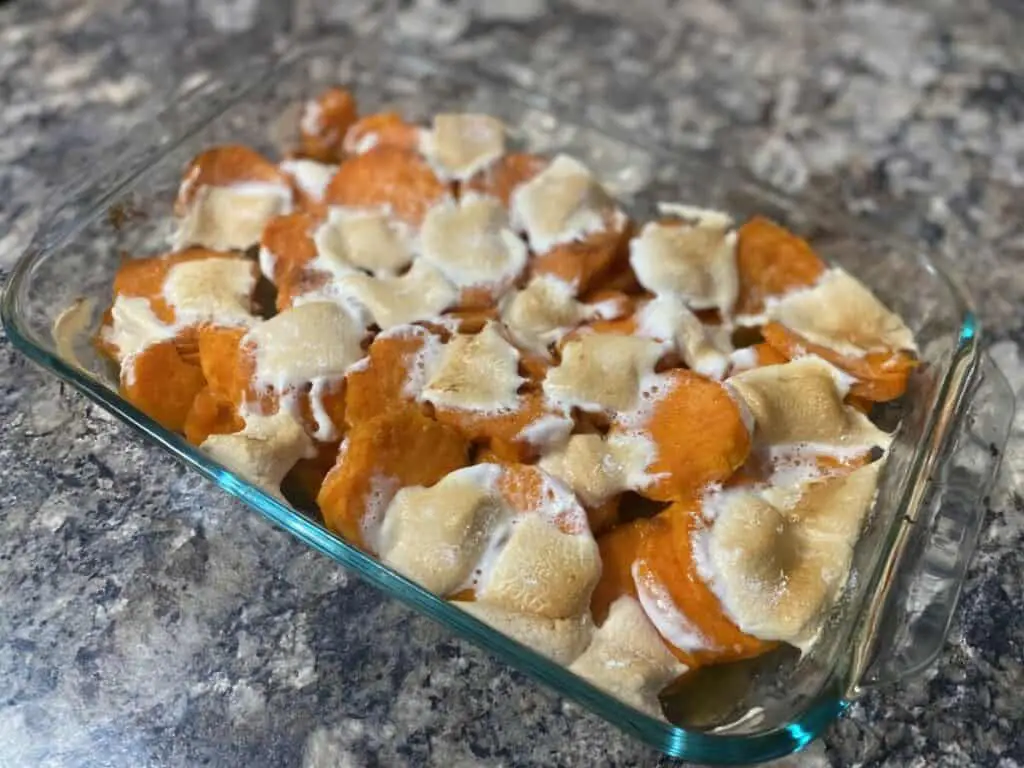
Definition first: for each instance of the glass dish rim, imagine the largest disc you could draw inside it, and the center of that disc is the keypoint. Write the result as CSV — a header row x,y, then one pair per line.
x,y
673,740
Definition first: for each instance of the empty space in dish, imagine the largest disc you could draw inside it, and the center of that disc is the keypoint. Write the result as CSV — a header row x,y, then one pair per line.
x,y
123,215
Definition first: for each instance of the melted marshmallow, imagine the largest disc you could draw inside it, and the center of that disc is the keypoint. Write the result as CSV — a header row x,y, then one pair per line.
x,y
470,243
777,560
460,145
840,313
561,204
542,313
231,217
421,293
215,290
800,404
628,659
667,317
310,176
436,536
602,371
597,468
133,327
694,259
351,240
476,373
264,451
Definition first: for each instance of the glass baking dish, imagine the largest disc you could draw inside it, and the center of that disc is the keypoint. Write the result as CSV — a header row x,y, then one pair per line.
x,y
910,562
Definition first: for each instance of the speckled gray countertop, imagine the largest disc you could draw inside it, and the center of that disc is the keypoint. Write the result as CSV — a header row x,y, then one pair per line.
x,y
148,619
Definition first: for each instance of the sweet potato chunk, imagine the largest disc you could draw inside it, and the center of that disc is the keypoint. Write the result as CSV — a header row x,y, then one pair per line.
x,y
162,385
667,556
587,263
619,548
223,166
225,367
771,261
325,122
144,278
387,176
289,239
881,376
502,177
699,434
381,129
380,383
502,432
398,448
211,415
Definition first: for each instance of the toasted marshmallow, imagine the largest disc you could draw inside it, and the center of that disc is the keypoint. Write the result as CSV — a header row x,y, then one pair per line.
x,y
840,313
778,563
562,203
470,243
460,145
264,451
694,259
628,659
599,372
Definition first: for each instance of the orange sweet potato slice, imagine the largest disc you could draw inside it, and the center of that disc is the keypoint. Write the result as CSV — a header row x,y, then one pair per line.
x,y
223,166
668,558
303,481
224,365
325,123
502,432
210,415
771,260
144,278
699,435
398,448
290,239
162,385
381,129
387,176
881,376
377,385
619,549
502,177
527,489
586,263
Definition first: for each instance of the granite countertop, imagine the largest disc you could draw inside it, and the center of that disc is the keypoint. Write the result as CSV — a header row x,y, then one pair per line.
x,y
148,619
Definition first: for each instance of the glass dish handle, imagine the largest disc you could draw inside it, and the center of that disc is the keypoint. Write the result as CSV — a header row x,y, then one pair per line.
x,y
916,607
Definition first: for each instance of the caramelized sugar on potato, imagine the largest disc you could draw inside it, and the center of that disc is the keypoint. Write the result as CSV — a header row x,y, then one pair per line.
x,y
162,385
387,176
398,448
880,376
325,122
381,129
771,261
699,435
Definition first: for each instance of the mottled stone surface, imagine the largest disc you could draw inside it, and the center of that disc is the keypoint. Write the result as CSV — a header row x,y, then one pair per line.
x,y
147,619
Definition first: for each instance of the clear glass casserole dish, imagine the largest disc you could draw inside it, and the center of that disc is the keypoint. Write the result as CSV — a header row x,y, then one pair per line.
x,y
911,559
